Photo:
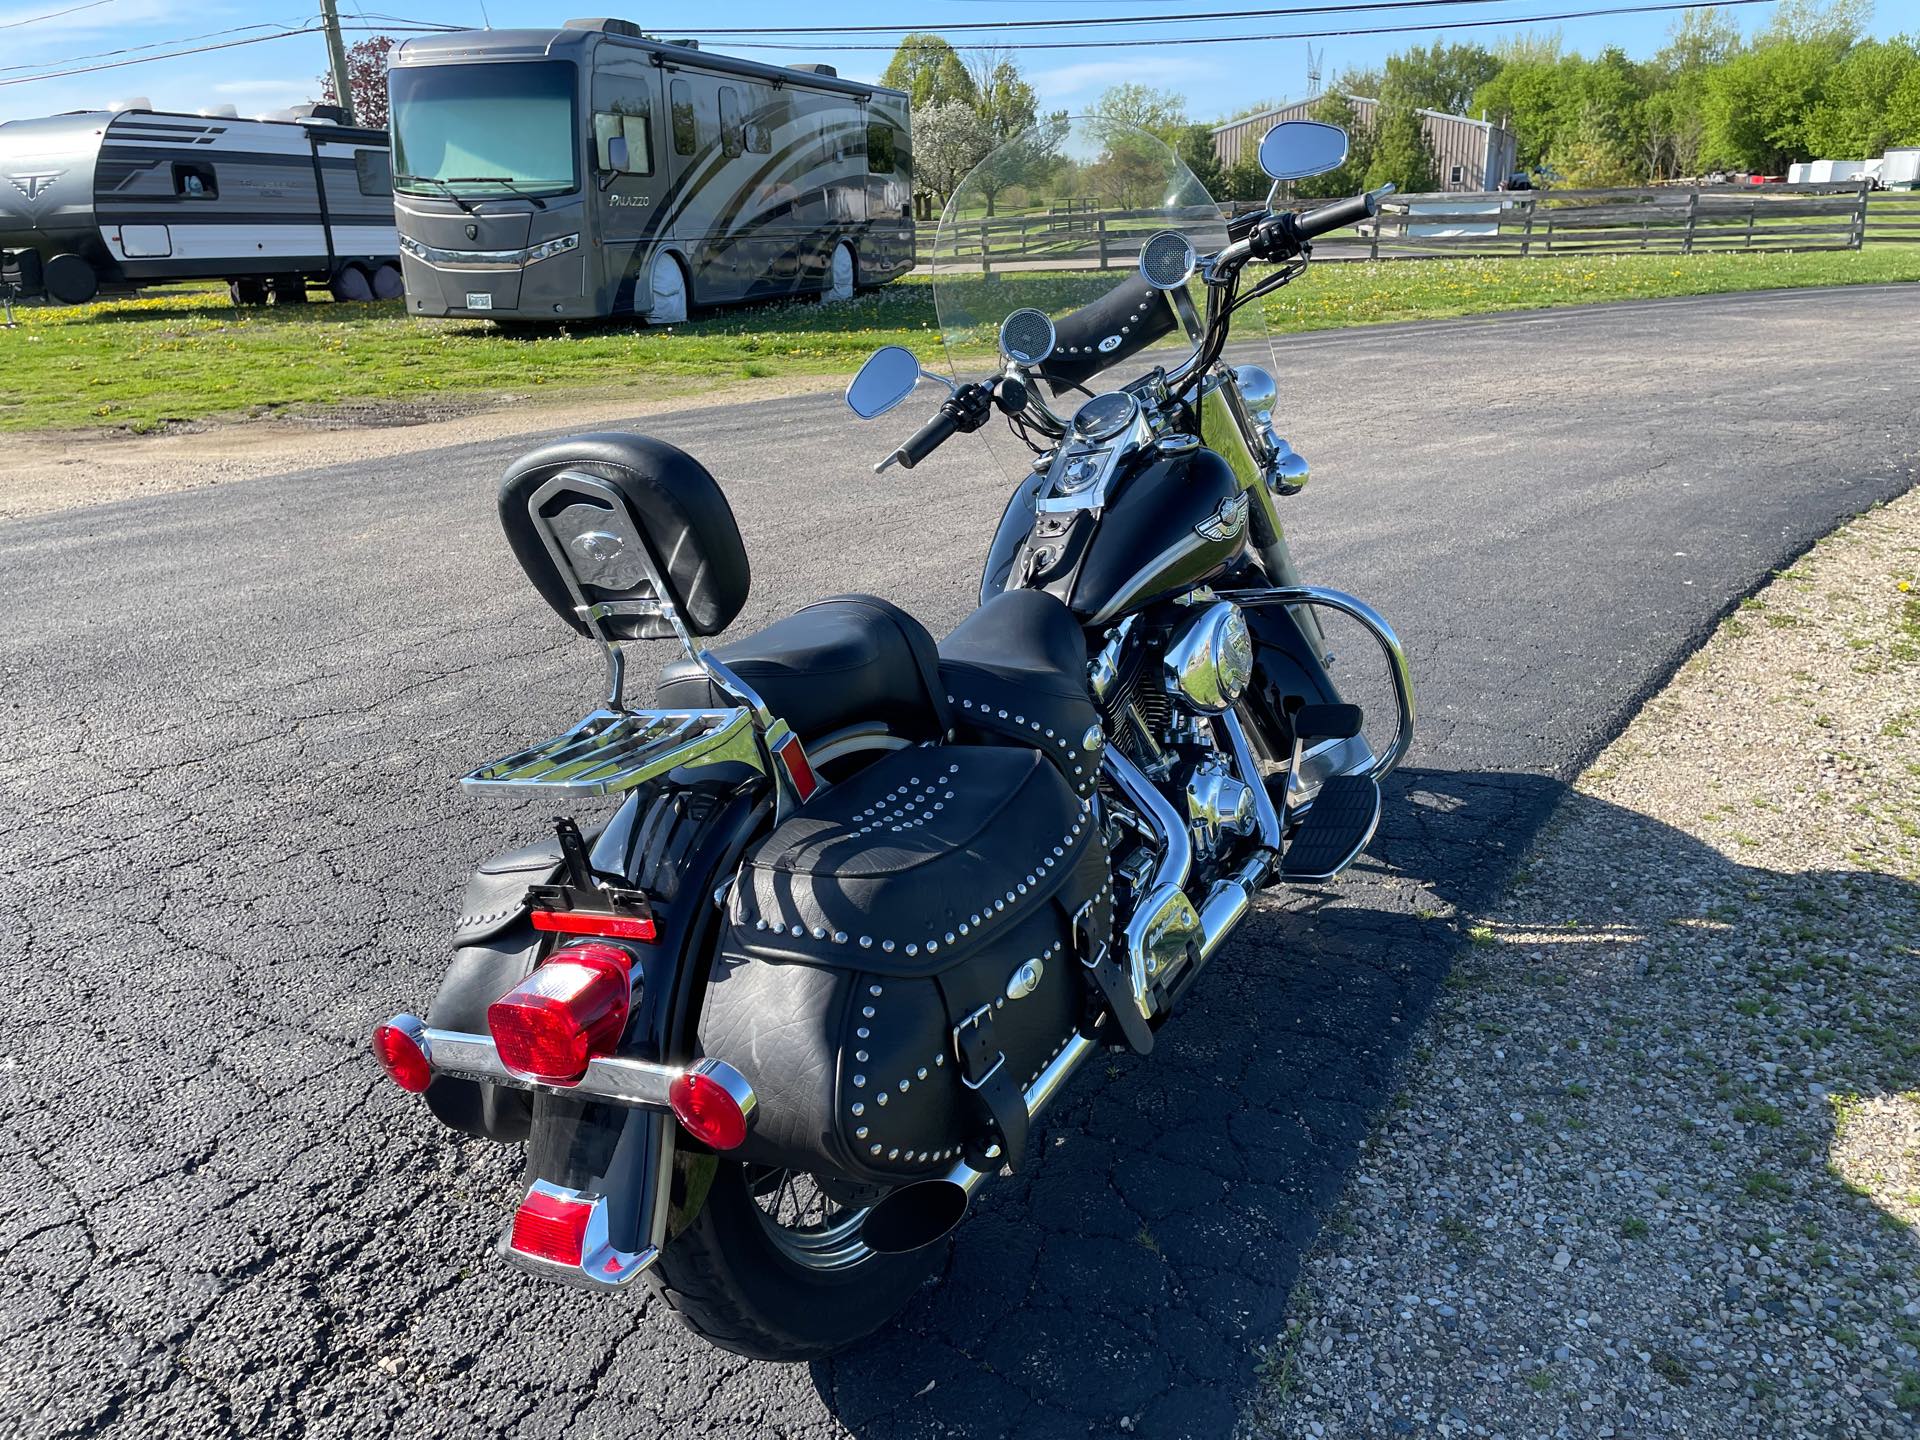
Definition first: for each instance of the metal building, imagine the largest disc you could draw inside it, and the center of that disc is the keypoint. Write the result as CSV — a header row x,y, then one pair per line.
x,y
1468,154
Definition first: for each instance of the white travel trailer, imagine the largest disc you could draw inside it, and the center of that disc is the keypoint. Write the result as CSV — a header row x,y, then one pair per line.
x,y
111,200
588,170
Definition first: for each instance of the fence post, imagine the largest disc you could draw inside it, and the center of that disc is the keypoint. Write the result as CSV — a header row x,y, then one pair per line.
x,y
1693,214
1753,209
1526,235
1103,242
986,260
1860,215
1373,239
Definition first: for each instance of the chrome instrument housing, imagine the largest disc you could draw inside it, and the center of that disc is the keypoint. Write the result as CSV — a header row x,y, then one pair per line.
x,y
1211,658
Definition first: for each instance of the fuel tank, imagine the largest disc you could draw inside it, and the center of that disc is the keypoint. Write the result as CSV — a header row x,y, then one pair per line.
x,y
1170,522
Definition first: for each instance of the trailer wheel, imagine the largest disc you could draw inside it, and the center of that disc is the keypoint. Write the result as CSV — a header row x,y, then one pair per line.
x,y
71,280
388,283
247,292
668,283
289,289
841,274
350,284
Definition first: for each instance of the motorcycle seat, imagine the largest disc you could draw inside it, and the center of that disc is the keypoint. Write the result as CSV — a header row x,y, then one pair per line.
x,y
1016,669
834,663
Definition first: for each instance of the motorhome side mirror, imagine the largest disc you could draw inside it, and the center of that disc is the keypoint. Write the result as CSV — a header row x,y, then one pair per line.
x,y
617,153
1295,149
884,381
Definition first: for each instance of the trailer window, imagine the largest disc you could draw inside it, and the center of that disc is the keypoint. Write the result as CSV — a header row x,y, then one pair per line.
x,y
686,124
504,128
732,138
623,144
759,130
195,181
375,171
879,148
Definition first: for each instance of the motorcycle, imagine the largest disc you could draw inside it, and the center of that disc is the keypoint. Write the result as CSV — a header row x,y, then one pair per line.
x,y
867,902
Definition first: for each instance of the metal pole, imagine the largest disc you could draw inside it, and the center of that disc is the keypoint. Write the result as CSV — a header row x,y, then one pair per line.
x,y
337,57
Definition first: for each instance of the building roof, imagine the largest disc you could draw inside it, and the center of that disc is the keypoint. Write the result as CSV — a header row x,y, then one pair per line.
x,y
1356,99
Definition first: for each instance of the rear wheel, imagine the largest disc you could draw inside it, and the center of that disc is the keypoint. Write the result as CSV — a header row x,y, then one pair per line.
x,y
388,283
351,284
840,274
773,1266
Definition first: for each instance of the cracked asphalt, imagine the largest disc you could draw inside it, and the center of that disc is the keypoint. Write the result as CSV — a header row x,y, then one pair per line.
x,y
231,844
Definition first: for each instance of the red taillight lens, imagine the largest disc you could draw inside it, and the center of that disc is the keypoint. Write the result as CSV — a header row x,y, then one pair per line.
x,y
709,1110
551,1227
591,922
401,1048
569,1010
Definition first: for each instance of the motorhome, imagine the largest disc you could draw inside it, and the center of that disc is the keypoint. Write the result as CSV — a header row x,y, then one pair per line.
x,y
591,170
132,196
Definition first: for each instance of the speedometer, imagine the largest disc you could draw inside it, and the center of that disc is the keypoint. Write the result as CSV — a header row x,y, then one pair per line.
x,y
1105,416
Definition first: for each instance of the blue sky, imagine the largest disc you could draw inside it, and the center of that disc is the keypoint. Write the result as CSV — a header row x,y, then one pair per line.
x,y
1214,78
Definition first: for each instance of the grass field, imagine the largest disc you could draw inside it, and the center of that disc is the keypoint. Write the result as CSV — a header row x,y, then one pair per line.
x,y
137,365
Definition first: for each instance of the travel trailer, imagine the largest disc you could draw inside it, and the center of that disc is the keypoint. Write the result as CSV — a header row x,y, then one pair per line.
x,y
114,199
550,175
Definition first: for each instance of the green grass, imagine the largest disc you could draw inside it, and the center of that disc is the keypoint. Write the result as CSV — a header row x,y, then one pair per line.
x,y
188,355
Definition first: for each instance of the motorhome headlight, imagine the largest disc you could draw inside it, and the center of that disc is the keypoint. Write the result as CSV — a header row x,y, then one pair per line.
x,y
411,246
1211,657
551,248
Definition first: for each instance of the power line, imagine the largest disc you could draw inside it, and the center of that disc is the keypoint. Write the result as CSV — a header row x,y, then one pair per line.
x,y
55,14
152,45
1171,40
1091,20
194,50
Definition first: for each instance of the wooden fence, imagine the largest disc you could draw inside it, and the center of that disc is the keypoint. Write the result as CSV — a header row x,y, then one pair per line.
x,y
1674,219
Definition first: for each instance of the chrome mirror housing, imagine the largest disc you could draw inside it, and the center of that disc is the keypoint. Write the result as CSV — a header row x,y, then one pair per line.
x,y
884,381
1295,149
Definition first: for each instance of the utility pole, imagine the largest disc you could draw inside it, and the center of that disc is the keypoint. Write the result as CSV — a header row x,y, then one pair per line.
x,y
337,57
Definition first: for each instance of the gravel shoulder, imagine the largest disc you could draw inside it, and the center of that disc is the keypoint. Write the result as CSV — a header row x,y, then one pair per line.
x,y
1655,1166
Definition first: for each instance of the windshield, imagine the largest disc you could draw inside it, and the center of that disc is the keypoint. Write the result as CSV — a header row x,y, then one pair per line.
x,y
485,129
1054,219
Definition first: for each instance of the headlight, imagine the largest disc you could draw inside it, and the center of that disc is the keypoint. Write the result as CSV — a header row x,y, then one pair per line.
x,y
1211,658
411,246
552,248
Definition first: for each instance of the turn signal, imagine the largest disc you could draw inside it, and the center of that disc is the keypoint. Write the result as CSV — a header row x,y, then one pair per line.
x,y
710,1110
569,1010
400,1045
551,1227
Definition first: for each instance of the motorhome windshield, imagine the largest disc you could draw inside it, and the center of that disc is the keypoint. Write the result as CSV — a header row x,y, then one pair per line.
x,y
499,129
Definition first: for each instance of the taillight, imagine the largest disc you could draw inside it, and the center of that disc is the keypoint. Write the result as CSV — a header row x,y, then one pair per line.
x,y
596,922
567,1011
549,1226
400,1045
712,1102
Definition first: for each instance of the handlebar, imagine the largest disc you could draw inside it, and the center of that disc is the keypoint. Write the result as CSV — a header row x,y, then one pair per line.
x,y
924,441
1338,215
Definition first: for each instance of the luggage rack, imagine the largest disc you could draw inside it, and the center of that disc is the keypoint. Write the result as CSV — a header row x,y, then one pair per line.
x,y
614,751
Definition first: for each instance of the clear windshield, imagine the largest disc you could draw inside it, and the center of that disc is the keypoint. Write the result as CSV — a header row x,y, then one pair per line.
x,y
1054,220
485,129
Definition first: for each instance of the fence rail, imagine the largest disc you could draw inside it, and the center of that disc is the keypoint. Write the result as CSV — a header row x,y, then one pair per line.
x,y
1673,219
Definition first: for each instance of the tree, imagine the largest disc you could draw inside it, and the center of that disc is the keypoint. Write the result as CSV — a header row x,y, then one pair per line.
x,y
1699,39
1438,76
1868,101
949,139
1159,112
1351,176
1401,152
1757,105
1196,152
1366,81
930,71
1001,94
366,81
1243,180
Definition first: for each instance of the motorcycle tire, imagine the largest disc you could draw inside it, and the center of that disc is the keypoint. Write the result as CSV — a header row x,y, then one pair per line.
x,y
727,1279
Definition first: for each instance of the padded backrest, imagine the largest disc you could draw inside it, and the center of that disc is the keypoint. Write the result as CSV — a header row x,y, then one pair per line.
x,y
612,495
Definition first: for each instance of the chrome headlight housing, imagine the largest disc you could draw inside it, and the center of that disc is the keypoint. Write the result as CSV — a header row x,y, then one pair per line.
x,y
1258,392
552,248
1211,658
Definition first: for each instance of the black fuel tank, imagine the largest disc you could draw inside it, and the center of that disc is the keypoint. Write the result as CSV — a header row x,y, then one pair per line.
x,y
1171,522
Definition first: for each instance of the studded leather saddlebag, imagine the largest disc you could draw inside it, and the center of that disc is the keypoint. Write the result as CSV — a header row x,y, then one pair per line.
x,y
905,955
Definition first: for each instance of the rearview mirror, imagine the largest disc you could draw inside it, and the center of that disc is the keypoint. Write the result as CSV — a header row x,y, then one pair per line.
x,y
884,381
1295,149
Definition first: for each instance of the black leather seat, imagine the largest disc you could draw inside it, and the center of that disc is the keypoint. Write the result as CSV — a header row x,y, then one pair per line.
x,y
830,664
1016,669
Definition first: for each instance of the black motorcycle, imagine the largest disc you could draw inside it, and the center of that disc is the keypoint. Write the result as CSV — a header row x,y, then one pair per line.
x,y
868,901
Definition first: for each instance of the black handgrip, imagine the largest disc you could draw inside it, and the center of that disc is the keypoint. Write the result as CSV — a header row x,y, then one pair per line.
x,y
1125,320
927,439
1337,216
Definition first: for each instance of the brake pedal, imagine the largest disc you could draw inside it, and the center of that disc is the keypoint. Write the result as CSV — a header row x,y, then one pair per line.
x,y
1345,813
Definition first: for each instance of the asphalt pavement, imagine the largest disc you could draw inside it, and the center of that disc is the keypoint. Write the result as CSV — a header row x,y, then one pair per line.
x,y
229,843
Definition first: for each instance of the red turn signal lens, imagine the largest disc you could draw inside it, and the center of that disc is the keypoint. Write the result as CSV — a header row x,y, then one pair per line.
x,y
401,1048
589,922
709,1111
569,1010
551,1227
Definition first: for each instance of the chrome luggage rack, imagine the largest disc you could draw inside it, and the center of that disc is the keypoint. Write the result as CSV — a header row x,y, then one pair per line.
x,y
616,749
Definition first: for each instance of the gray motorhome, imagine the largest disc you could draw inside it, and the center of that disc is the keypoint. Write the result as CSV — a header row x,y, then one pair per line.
x,y
543,175
111,200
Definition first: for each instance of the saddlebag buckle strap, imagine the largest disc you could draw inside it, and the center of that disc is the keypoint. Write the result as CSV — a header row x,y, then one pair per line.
x,y
1109,984
983,1070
